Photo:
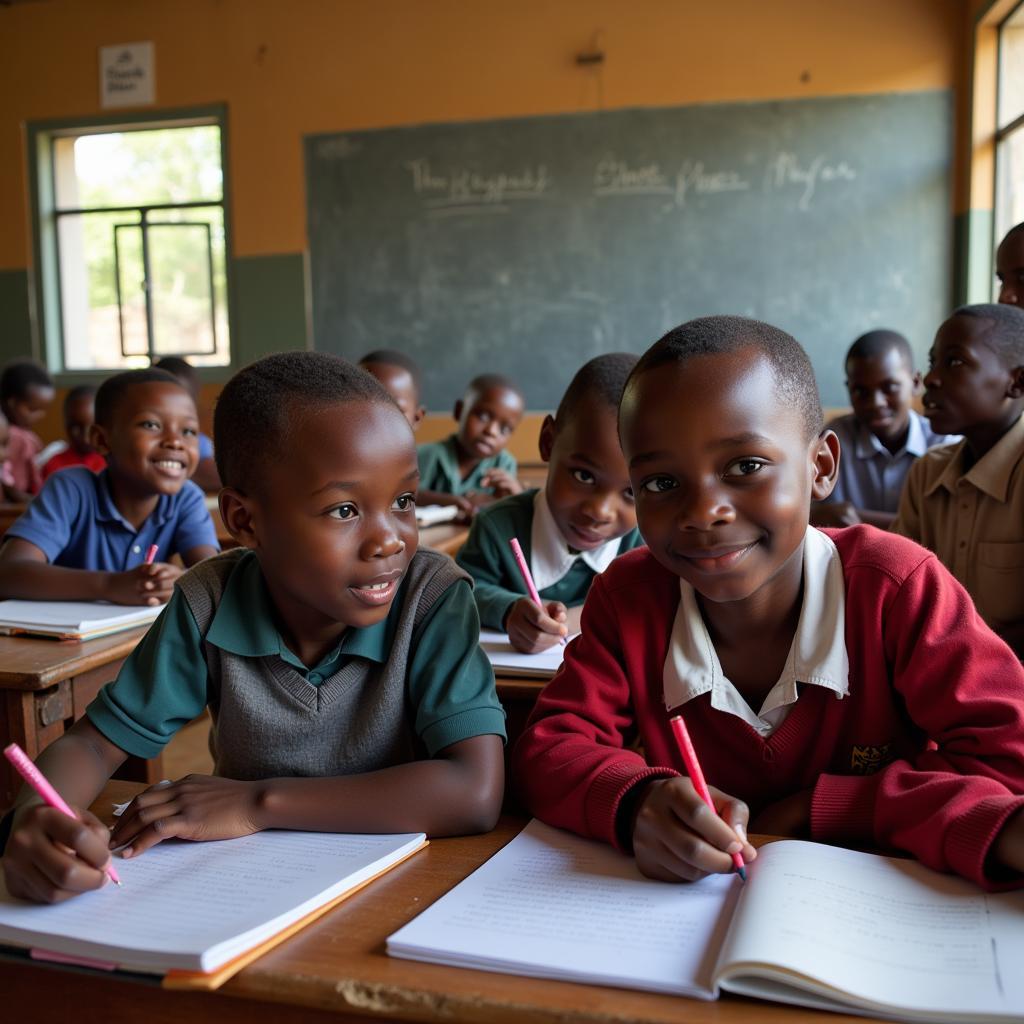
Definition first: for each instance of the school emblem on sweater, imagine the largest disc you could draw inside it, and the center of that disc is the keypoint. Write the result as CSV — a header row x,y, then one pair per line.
x,y
867,760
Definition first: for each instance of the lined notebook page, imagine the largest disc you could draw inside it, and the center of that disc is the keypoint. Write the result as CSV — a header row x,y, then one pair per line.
x,y
504,657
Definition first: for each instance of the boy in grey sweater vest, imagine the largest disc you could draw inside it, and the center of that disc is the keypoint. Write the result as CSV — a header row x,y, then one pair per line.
x,y
340,665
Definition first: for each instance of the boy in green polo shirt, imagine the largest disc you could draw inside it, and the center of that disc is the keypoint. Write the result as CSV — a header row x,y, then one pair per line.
x,y
571,529
471,468
339,663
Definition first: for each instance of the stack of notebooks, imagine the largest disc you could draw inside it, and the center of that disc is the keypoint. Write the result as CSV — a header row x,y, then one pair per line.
x,y
72,620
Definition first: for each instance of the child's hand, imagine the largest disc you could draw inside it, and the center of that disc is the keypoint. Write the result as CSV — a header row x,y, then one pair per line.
x,y
1009,845
532,629
677,837
51,857
145,584
199,807
790,816
501,482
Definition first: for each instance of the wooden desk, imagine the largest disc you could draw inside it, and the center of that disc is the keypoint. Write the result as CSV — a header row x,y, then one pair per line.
x,y
45,685
444,537
337,969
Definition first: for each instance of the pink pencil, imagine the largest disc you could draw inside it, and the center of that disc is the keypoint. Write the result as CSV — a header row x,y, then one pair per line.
x,y
531,587
35,778
697,778
151,553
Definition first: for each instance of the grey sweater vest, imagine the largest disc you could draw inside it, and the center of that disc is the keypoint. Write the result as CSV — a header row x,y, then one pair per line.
x,y
269,722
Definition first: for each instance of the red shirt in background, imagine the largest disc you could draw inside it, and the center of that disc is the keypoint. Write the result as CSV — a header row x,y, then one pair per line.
x,y
69,457
22,449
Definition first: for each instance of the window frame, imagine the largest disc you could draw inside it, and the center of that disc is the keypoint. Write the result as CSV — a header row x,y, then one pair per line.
x,y
999,137
46,281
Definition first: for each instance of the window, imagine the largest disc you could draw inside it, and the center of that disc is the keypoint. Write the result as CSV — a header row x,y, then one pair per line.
x,y
132,244
1009,204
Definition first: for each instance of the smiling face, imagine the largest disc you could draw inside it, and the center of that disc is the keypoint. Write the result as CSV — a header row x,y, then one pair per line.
x,y
588,488
486,421
968,386
881,388
399,384
724,474
334,522
78,420
152,441
1010,269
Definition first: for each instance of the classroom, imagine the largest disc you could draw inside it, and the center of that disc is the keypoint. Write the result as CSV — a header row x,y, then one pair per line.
x,y
496,211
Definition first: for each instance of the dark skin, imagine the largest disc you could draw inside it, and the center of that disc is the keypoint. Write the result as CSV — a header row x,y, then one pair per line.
x,y
1010,269
881,389
591,501
486,419
78,420
334,529
152,449
10,492
206,474
398,382
28,409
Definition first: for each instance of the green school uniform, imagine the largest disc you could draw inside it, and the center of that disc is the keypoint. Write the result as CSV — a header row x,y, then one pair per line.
x,y
498,583
439,468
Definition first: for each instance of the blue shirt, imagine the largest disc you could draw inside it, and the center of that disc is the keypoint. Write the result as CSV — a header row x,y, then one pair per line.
x,y
870,476
205,447
75,523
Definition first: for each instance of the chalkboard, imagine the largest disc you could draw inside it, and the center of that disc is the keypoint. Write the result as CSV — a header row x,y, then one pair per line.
x,y
527,246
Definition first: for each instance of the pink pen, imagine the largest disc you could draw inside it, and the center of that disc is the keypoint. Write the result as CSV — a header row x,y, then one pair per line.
x,y
531,587
35,778
151,553
697,778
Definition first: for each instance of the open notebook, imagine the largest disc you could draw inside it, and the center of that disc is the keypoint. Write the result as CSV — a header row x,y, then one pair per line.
x,y
200,907
507,661
72,620
814,925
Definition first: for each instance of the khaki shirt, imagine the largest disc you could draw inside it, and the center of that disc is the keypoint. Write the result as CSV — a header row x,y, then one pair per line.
x,y
973,521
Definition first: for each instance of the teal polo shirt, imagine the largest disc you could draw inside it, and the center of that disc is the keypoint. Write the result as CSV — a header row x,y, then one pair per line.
x,y
163,684
439,468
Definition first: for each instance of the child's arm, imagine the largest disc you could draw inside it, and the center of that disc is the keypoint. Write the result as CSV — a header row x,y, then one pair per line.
x,y
49,856
1008,849
464,504
501,483
532,628
195,536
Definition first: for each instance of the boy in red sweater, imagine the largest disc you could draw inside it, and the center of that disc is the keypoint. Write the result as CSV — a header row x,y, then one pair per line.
x,y
837,685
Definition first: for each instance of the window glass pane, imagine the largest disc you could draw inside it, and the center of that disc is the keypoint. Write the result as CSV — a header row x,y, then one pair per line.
x,y
1009,187
150,166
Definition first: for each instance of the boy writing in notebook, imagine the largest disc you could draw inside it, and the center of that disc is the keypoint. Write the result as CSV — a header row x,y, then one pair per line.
x,y
86,535
570,529
340,664
881,438
26,391
471,468
401,379
836,684
966,501
79,416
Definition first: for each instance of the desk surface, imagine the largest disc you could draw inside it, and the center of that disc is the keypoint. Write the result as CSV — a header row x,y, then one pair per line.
x,y
28,663
444,537
338,966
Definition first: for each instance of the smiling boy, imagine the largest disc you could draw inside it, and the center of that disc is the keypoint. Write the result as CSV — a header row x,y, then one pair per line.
x,y
86,535
836,684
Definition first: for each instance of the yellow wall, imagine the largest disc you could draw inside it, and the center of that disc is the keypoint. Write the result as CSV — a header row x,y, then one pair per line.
x,y
286,69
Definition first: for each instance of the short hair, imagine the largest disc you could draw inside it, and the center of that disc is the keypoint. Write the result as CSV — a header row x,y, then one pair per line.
x,y
1015,230
879,343
112,391
17,378
392,357
716,335
252,415
603,377
182,369
1006,334
489,382
76,394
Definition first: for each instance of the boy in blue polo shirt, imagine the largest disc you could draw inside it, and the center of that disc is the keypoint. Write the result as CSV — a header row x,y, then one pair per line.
x,y
86,535
340,664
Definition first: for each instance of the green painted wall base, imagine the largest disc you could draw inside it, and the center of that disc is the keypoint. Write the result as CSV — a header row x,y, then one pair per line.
x,y
15,317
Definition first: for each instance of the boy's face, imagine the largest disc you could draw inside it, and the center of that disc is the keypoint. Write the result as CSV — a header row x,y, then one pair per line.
x,y
334,521
152,442
28,409
967,385
78,419
486,421
588,487
881,388
724,474
1010,269
399,384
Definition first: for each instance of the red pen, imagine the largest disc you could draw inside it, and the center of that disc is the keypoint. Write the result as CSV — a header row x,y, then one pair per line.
x,y
697,778
151,553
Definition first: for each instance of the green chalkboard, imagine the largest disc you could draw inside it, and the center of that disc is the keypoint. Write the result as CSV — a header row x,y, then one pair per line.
x,y
527,246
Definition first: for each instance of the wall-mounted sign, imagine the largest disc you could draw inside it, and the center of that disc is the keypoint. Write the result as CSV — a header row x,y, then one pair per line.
x,y
127,75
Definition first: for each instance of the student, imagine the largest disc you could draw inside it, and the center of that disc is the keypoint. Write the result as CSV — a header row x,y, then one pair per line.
x,y
401,379
26,391
881,438
7,486
571,529
79,415
471,468
206,475
966,501
340,665
837,683
86,535
1010,267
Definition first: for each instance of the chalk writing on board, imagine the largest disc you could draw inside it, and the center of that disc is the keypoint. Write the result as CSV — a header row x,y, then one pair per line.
x,y
461,190
787,171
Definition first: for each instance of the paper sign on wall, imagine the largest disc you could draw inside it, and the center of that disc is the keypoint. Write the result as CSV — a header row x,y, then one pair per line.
x,y
127,75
